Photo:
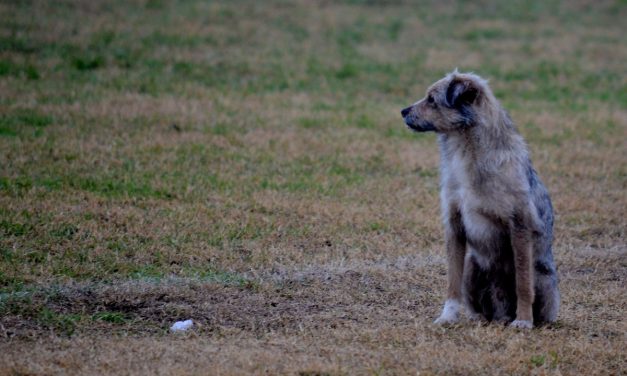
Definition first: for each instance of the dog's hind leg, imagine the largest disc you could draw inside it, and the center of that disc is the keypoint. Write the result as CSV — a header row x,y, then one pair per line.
x,y
477,290
504,293
547,297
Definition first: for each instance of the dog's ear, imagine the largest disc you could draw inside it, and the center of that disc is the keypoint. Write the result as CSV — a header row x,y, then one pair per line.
x,y
461,92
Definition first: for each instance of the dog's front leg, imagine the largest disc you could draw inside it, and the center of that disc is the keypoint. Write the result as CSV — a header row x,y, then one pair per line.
x,y
455,251
522,246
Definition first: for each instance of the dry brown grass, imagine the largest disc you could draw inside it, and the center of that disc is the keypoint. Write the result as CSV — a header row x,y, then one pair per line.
x,y
245,165
352,318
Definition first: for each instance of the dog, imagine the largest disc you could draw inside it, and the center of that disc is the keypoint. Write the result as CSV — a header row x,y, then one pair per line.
x,y
497,214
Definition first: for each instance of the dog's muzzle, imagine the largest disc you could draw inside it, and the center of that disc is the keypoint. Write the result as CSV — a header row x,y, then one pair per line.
x,y
414,124
405,114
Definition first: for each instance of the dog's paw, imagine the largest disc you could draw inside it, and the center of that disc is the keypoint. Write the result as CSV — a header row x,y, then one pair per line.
x,y
450,313
521,324
474,316
446,320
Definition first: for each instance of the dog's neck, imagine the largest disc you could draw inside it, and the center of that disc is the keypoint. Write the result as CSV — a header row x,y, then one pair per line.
x,y
485,143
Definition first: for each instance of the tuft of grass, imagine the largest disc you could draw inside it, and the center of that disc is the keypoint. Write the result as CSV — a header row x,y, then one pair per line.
x,y
537,360
58,322
394,28
347,71
87,62
312,123
64,231
20,121
29,71
14,229
365,122
112,317
17,44
483,34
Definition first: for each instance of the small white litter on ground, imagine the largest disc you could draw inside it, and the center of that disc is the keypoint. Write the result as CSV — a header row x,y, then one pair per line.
x,y
181,326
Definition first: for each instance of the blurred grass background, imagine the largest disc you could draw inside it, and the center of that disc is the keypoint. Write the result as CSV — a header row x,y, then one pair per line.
x,y
189,120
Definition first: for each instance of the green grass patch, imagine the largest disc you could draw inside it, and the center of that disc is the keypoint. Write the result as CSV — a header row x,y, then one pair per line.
x,y
365,122
64,231
23,121
105,186
111,187
59,322
161,39
111,317
347,71
9,228
483,34
312,122
8,68
31,304
17,44
87,62
17,302
377,227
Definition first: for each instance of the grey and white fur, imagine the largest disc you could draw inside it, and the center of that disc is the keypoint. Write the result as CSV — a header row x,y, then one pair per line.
x,y
497,214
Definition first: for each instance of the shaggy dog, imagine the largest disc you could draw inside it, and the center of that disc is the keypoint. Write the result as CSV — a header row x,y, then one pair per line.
x,y
497,214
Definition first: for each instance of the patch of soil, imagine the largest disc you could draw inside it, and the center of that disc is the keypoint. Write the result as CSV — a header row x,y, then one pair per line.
x,y
282,302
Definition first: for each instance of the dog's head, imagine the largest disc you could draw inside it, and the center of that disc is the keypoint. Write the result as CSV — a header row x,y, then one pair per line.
x,y
450,105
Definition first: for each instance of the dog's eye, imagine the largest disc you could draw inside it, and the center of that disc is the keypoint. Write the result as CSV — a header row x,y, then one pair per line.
x,y
430,99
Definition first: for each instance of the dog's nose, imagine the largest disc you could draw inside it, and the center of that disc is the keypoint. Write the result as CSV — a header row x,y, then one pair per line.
x,y
405,111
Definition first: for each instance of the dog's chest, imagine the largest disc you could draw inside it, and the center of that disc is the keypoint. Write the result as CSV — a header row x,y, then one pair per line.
x,y
479,210
478,226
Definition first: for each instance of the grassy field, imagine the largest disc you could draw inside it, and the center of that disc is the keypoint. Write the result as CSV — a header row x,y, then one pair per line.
x,y
244,164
